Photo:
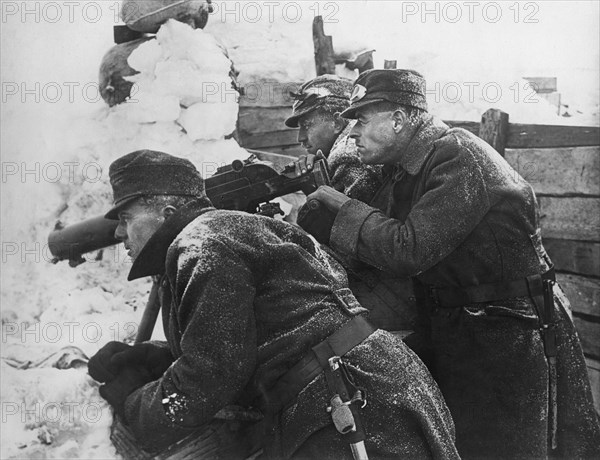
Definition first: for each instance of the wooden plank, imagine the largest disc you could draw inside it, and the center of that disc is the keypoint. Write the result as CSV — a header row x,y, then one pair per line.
x,y
471,126
563,171
583,293
522,136
494,128
324,62
268,93
589,335
542,84
570,218
582,257
593,367
279,138
259,120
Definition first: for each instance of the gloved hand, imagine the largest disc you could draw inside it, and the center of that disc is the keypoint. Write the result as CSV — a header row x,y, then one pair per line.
x,y
151,356
317,220
129,379
100,366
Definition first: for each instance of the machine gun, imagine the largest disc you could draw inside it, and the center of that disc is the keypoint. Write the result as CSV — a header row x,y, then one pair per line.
x,y
244,185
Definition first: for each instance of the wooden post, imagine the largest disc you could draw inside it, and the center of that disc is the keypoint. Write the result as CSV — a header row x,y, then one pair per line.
x,y
494,129
389,64
324,62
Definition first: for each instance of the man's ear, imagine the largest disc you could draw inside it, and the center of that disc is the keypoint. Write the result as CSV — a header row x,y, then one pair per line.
x,y
168,211
339,122
399,119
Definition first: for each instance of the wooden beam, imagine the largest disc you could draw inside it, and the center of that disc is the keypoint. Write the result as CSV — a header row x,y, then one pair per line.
x,y
494,129
271,139
471,126
561,171
583,293
323,44
259,120
570,218
589,333
521,136
582,257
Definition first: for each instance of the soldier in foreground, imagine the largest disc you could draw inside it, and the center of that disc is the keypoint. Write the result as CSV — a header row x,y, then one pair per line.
x,y
462,223
256,313
316,112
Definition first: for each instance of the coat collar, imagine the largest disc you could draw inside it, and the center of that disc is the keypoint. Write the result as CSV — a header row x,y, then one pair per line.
x,y
344,136
421,145
151,260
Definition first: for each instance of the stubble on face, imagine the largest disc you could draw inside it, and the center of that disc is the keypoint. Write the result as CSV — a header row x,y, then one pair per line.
x,y
137,224
374,136
317,132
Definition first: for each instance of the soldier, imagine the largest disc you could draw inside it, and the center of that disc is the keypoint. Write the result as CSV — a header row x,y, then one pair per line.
x,y
316,111
458,219
256,313
323,132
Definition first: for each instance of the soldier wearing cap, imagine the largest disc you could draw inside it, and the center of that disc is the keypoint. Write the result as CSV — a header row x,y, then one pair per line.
x,y
316,111
453,215
255,313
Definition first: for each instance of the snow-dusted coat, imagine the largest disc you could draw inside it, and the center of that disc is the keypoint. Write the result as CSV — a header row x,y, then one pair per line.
x,y
453,213
244,298
388,298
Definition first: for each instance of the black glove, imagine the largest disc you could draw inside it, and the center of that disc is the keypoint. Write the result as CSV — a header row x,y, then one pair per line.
x,y
155,358
315,218
100,366
116,391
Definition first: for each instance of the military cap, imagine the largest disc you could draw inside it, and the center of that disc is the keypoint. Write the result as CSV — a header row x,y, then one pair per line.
x,y
148,172
405,87
319,92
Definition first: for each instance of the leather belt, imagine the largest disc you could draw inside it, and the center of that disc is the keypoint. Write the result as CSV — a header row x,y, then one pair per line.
x,y
452,297
287,388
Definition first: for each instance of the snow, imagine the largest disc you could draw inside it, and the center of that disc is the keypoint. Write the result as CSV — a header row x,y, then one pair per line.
x,y
59,137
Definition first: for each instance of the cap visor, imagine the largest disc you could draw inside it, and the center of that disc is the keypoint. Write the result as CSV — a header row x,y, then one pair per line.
x,y
113,214
292,122
350,112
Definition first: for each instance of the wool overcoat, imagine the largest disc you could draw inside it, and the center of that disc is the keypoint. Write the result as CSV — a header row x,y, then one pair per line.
x,y
244,298
453,214
389,299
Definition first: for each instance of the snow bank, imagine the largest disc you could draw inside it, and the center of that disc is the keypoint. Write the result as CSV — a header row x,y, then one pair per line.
x,y
183,104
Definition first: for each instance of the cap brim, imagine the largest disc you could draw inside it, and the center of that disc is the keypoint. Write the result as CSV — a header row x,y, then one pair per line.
x,y
350,112
113,214
292,122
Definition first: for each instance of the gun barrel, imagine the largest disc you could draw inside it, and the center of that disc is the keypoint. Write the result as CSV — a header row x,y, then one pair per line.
x,y
70,242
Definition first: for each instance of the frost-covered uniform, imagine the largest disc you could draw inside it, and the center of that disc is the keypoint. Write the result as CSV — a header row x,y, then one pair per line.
x,y
454,214
389,299
243,299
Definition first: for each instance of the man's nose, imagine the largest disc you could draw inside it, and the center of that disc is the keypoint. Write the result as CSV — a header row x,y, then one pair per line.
x,y
120,232
354,134
302,135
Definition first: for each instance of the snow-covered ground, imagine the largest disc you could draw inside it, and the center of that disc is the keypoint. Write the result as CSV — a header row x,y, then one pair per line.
x,y
58,138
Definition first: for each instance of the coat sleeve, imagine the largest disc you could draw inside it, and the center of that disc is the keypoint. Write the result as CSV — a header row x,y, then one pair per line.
x,y
213,294
454,202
